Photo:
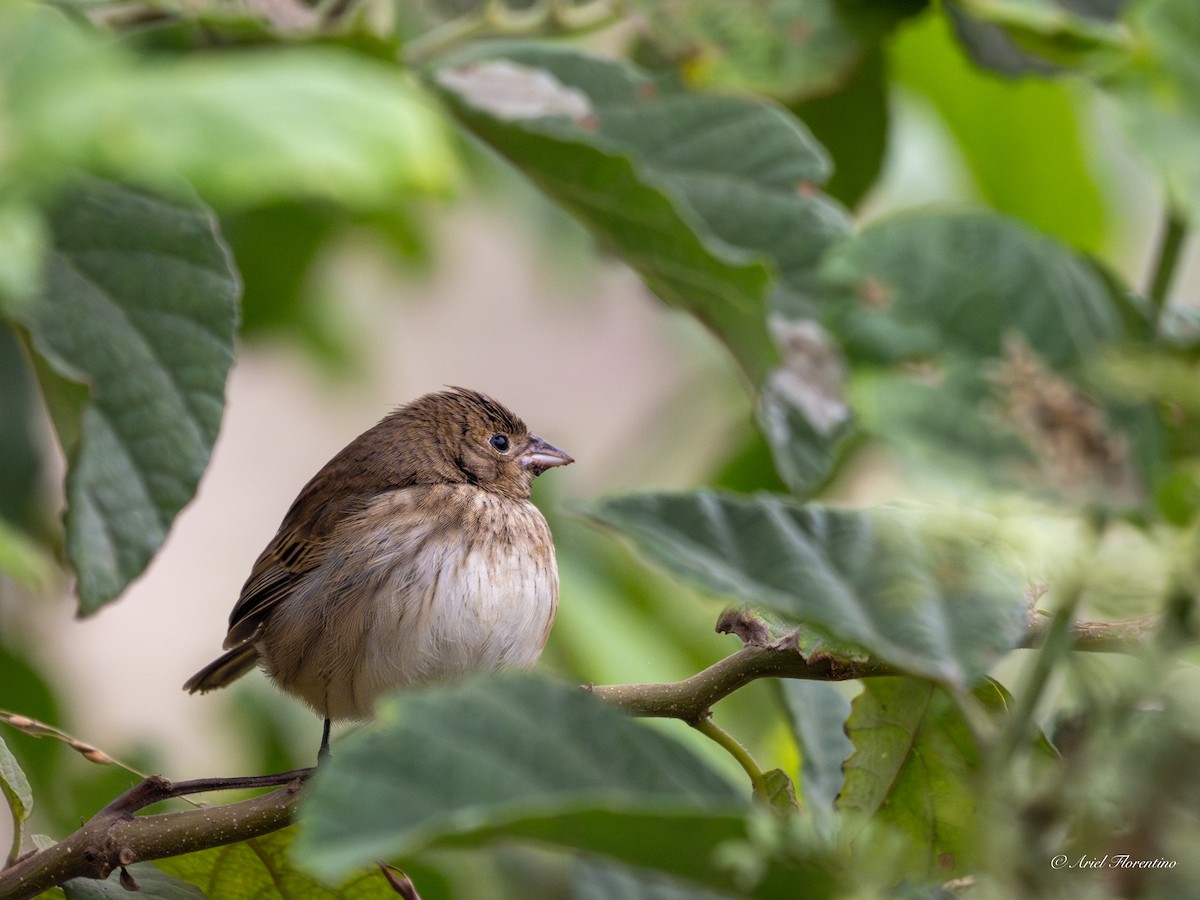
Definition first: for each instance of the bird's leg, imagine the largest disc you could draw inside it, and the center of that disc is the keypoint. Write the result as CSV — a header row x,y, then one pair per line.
x,y
323,754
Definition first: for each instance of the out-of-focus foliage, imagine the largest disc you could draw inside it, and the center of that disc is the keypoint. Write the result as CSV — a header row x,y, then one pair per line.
x,y
720,151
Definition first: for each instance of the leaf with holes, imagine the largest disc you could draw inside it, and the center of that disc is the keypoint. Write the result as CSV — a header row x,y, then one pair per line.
x,y
139,306
923,591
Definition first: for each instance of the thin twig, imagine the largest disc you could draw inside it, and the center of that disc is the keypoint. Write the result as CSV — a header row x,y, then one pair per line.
x,y
38,729
710,729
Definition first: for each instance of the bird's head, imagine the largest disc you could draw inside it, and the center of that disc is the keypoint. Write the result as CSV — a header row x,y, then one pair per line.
x,y
478,440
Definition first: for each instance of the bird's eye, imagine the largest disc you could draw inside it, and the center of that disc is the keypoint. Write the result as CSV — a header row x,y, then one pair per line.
x,y
500,442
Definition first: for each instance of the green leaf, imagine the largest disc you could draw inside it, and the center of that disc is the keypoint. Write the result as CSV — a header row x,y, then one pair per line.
x,y
20,457
17,794
262,868
23,689
1001,331
917,590
515,757
22,559
993,277
1015,36
914,771
140,306
22,242
714,200
241,126
1000,125
1159,94
787,49
152,883
858,151
817,711
780,792
595,880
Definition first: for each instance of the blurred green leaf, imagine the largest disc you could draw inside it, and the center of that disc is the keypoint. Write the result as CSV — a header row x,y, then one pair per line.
x,y
625,155
596,880
787,48
22,243
714,200
152,884
992,278
852,125
1016,36
914,770
262,868
515,757
17,794
917,590
817,712
995,340
20,462
23,690
22,559
1159,94
241,126
780,792
140,305
1000,125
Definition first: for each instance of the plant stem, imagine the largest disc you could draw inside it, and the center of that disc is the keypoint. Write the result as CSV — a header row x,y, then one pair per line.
x,y
710,729
1167,259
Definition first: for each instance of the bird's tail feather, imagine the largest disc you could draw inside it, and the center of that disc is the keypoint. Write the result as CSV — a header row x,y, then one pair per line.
x,y
227,668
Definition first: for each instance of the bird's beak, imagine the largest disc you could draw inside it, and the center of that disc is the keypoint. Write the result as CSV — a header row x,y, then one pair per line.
x,y
540,456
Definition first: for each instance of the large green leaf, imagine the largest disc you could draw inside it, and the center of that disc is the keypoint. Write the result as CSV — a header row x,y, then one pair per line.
x,y
139,305
995,327
262,868
241,126
917,590
714,200
515,757
914,770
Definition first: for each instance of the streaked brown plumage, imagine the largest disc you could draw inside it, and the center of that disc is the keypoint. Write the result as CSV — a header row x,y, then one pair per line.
x,y
413,555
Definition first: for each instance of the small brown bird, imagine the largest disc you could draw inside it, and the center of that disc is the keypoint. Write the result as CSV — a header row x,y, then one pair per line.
x,y
414,555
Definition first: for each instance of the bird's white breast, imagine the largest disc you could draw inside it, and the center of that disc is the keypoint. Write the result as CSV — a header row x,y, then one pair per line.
x,y
441,581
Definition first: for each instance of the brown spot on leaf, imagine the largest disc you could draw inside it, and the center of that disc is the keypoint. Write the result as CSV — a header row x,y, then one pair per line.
x,y
1073,444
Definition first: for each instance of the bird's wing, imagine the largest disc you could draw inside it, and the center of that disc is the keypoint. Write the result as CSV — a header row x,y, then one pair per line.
x,y
301,545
